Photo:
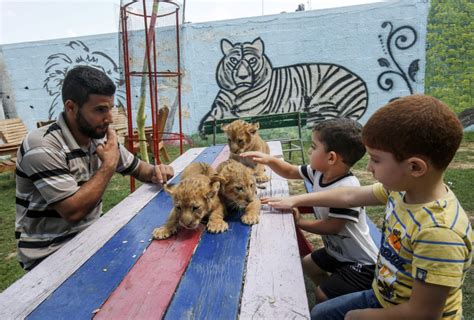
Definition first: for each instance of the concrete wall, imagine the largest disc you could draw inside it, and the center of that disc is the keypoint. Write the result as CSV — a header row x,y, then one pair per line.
x,y
381,46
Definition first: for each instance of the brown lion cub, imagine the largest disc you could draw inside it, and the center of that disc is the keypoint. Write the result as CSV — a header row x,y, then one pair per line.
x,y
238,190
194,197
242,137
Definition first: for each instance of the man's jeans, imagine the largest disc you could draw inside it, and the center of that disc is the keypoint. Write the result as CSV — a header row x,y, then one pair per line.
x,y
336,308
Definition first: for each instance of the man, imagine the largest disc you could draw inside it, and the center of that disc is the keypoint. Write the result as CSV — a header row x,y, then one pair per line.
x,y
63,169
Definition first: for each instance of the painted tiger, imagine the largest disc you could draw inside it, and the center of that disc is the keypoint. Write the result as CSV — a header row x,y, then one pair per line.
x,y
249,85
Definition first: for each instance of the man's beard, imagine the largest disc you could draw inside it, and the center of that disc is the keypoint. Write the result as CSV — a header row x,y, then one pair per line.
x,y
86,129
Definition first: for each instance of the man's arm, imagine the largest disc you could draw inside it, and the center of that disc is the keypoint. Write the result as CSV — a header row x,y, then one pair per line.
x,y
153,173
343,197
426,302
282,168
81,203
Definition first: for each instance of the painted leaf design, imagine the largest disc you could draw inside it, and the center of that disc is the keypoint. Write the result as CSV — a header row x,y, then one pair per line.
x,y
413,69
384,62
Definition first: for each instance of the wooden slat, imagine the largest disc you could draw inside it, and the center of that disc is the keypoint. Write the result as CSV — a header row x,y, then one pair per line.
x,y
269,290
18,300
103,272
211,287
147,289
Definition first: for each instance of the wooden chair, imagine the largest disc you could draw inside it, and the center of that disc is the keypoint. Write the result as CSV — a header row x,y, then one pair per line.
x,y
12,133
162,116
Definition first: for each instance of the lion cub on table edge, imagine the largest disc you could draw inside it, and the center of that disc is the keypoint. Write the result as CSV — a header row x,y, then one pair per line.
x,y
194,198
242,137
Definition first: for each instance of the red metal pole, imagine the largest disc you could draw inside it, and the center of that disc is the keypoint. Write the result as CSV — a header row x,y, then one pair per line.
x,y
123,14
179,84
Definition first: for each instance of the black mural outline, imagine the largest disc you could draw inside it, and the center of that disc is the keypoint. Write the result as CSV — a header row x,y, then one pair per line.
x,y
401,42
323,90
58,64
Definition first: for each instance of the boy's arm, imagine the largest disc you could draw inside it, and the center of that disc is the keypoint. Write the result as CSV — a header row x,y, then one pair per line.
x,y
282,168
343,197
322,226
426,302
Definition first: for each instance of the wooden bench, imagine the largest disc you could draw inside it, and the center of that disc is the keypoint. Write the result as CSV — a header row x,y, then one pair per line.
x,y
12,133
267,121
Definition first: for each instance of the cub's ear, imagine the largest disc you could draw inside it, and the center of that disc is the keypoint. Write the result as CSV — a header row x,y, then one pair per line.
x,y
169,189
216,181
253,127
224,127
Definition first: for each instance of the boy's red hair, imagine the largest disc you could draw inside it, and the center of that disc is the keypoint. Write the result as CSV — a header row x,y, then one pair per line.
x,y
416,125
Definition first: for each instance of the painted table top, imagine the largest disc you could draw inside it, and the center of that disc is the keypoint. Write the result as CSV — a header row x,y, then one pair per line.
x,y
114,270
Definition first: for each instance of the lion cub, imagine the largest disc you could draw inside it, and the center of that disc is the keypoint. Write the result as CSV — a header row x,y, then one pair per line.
x,y
242,137
238,190
194,198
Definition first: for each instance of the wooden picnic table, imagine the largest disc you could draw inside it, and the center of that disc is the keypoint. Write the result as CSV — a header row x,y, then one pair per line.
x,y
114,270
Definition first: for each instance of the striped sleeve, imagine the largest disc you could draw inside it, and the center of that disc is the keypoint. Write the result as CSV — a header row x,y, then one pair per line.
x,y
49,172
440,256
307,173
128,162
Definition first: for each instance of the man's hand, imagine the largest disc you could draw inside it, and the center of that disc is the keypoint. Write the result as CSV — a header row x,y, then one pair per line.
x,y
162,173
279,203
257,156
108,152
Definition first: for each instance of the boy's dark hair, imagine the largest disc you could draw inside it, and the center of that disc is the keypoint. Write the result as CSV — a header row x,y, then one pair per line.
x,y
82,81
343,136
416,125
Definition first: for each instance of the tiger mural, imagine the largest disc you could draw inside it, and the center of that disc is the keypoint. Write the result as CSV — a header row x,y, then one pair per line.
x,y
249,85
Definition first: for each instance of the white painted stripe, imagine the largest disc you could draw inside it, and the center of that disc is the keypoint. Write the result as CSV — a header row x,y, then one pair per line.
x,y
274,285
22,297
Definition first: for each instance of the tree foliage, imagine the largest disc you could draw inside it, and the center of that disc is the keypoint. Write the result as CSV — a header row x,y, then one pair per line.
x,y
450,53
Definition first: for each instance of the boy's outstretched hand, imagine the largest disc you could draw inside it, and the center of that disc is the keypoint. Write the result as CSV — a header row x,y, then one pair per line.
x,y
279,203
257,156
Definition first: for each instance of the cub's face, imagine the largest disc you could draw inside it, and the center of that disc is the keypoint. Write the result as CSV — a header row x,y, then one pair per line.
x,y
192,198
240,135
239,187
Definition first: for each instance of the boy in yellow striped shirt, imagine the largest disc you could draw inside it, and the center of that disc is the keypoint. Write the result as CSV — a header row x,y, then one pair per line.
x,y
426,236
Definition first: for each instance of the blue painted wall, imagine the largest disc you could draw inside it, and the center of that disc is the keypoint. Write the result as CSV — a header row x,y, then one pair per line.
x,y
356,38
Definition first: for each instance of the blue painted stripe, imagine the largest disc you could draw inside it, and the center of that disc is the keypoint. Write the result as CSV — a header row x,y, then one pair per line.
x,y
88,288
212,285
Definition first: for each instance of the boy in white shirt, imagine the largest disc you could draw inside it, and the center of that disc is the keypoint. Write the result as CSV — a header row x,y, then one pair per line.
x,y
346,263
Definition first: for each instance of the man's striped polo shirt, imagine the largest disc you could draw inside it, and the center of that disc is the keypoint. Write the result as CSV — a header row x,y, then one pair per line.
x,y
51,167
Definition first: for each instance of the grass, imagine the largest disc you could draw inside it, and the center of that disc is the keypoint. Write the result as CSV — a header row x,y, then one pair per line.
x,y
460,177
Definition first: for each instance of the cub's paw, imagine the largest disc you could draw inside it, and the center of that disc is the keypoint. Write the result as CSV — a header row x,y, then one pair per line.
x,y
249,219
162,233
262,178
217,226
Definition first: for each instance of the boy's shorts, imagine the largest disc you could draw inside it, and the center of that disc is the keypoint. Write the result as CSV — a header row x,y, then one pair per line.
x,y
346,277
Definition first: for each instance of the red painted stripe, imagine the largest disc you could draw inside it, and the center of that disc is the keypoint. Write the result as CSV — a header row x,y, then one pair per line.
x,y
148,288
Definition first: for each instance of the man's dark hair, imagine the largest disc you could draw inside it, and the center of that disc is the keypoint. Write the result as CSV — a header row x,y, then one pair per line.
x,y
344,137
416,125
82,81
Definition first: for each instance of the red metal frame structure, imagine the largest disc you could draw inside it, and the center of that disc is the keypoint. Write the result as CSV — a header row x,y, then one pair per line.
x,y
132,8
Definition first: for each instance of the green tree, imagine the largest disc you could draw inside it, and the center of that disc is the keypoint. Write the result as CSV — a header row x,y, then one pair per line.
x,y
450,53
